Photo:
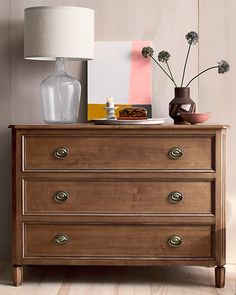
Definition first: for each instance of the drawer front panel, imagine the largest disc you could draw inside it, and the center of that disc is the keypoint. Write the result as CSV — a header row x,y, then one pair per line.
x,y
117,196
117,240
118,152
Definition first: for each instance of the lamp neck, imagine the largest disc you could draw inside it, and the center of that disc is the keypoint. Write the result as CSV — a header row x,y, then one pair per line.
x,y
60,67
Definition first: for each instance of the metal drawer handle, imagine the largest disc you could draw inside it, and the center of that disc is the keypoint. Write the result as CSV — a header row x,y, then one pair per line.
x,y
60,153
61,239
175,197
175,241
60,196
175,153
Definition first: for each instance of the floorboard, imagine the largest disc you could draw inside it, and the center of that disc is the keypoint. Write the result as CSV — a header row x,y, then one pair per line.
x,y
95,280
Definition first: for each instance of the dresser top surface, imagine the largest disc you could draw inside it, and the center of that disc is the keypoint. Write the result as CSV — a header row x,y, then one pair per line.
x,y
119,127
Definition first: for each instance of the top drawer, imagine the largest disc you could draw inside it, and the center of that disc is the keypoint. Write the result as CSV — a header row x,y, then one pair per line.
x,y
55,153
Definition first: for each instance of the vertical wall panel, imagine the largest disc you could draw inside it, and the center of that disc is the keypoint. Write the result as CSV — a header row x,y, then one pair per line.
x,y
5,163
217,93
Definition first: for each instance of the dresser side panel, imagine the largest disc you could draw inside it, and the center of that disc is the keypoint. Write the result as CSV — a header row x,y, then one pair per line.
x,y
220,227
17,240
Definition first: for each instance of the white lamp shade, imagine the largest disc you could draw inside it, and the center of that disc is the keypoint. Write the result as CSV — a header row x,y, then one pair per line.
x,y
59,31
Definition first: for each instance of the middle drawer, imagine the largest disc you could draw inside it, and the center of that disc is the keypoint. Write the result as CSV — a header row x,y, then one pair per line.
x,y
117,196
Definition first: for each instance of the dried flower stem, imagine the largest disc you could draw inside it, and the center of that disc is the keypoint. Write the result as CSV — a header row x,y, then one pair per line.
x,y
162,69
185,64
171,73
214,67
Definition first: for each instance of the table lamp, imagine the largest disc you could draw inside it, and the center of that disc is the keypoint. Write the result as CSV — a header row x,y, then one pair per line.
x,y
58,33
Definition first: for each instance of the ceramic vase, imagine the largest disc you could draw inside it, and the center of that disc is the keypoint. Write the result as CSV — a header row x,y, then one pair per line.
x,y
182,103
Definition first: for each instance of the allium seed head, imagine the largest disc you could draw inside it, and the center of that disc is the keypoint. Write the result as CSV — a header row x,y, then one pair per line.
x,y
147,52
192,38
223,67
164,56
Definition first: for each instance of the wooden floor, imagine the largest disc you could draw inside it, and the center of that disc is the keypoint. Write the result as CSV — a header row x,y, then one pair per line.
x,y
63,280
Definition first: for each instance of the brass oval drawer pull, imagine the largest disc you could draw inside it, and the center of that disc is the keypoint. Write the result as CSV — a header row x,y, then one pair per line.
x,y
60,153
175,153
175,241
175,197
61,196
61,239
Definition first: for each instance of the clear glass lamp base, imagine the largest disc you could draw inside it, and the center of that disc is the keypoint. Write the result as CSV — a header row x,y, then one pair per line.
x,y
60,96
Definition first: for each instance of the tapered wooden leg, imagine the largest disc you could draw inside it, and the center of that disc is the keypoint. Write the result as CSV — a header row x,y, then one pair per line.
x,y
17,275
220,276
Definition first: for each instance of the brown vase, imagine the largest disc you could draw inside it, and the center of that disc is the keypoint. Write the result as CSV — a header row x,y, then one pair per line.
x,y
182,103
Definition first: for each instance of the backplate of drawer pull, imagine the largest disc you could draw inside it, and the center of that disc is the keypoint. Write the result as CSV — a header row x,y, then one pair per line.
x,y
60,153
97,153
77,196
175,197
61,196
175,153
175,241
61,239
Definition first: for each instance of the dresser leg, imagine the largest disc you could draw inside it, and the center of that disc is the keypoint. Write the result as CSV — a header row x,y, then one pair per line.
x,y
17,275
220,276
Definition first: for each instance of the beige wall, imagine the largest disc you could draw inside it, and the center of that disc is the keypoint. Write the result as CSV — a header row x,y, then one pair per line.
x,y
5,164
165,22
217,28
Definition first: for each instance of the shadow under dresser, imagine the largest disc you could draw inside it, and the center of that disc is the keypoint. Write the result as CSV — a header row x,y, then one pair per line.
x,y
118,195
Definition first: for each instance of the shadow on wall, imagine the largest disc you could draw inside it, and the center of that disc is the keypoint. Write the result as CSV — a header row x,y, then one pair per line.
x,y
5,159
26,76
5,192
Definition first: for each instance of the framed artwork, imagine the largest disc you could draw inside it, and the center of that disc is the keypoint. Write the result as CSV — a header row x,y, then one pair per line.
x,y
120,71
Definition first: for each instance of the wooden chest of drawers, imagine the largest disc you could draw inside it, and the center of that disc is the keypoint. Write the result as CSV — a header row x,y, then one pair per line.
x,y
118,195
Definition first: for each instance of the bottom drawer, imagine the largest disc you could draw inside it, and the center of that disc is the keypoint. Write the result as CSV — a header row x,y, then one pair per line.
x,y
47,240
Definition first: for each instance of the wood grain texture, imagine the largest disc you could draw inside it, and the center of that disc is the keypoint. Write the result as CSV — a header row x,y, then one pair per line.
x,y
117,152
92,127
216,28
17,275
220,277
116,196
134,234
157,218
116,241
